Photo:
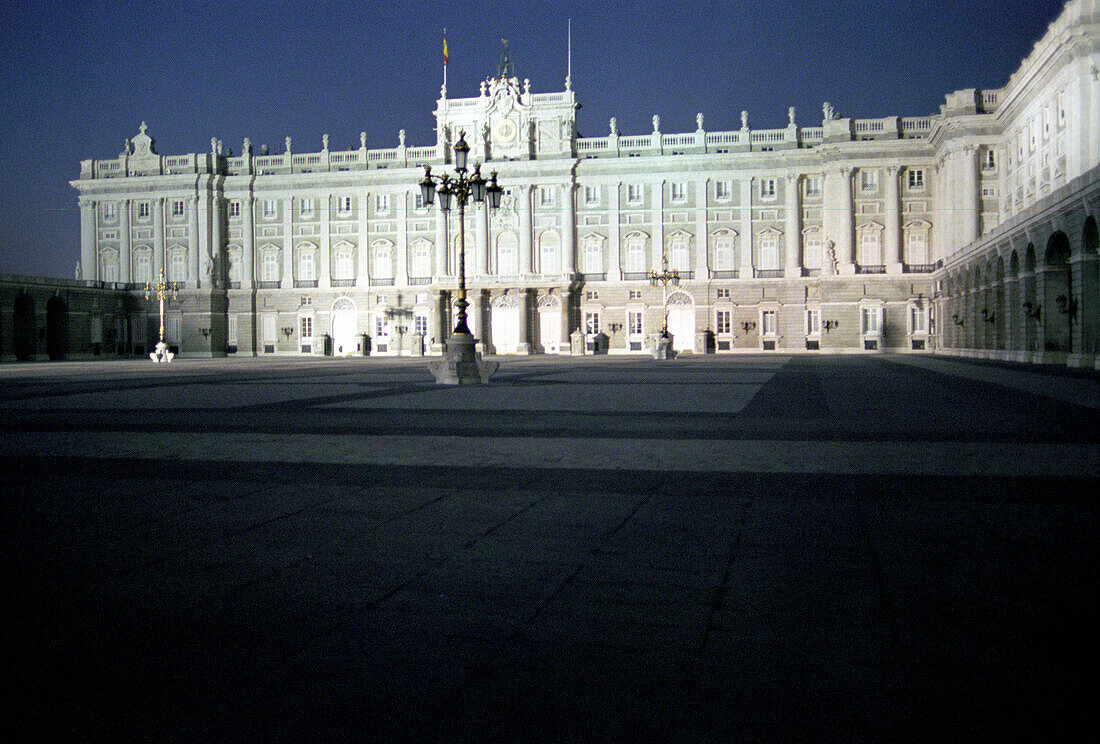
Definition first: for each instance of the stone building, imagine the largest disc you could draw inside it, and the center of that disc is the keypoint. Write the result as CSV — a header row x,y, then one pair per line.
x,y
957,231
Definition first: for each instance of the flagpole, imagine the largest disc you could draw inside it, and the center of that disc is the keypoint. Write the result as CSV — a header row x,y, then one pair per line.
x,y
444,59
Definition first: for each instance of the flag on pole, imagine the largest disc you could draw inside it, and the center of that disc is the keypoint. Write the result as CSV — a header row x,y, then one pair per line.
x,y
444,47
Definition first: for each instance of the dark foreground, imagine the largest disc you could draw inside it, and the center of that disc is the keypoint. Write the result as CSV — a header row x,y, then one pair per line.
x,y
753,549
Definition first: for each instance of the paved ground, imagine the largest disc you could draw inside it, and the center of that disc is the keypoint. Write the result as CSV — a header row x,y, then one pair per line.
x,y
737,549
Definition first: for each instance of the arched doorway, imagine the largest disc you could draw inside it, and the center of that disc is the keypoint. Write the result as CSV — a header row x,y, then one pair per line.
x,y
681,321
1058,295
57,328
345,330
505,317
24,337
550,324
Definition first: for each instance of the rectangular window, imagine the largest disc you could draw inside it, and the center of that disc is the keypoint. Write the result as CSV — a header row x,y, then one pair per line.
x,y
591,294
1061,108
634,193
418,203
812,256
635,294
872,317
813,186
767,188
421,324
634,322
307,207
769,322
989,160
591,323
143,210
343,204
382,202
918,320
722,321
679,192
591,195
723,293
306,326
813,322
546,196
916,179
177,208
769,252
868,180
270,266
234,209
110,211
722,190
270,208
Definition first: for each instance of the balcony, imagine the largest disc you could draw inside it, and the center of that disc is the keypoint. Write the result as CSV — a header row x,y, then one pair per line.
x,y
593,277
918,268
419,280
343,283
305,283
268,285
769,273
870,268
635,276
725,274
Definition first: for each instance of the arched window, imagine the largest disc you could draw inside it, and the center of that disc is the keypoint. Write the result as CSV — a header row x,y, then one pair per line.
x,y
383,259
679,252
421,259
270,264
506,255
143,266
724,245
177,265
593,254
549,253
344,261
635,252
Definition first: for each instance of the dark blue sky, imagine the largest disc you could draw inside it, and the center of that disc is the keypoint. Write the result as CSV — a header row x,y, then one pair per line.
x,y
78,77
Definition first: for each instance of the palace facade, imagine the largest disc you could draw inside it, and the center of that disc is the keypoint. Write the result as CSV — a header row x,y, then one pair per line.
x,y
955,231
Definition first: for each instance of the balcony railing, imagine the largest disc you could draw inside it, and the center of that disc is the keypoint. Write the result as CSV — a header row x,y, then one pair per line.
x,y
343,282
305,283
724,274
419,280
635,276
871,268
919,268
268,284
769,273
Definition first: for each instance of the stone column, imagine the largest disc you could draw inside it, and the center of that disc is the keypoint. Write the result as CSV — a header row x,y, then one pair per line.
x,y
124,241
744,269
248,241
158,237
702,240
193,242
892,239
324,259
526,227
793,226
972,195
522,347
568,229
844,249
89,267
362,274
401,265
657,219
205,241
1013,342
439,255
614,235
217,250
288,243
481,237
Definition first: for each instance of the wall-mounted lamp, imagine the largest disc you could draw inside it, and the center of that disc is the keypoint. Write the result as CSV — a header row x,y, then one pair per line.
x,y
288,331
748,325
958,321
1033,311
829,325
1067,306
205,332
987,316
615,327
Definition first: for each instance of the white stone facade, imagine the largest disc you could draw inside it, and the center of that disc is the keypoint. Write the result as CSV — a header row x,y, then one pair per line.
x,y
830,236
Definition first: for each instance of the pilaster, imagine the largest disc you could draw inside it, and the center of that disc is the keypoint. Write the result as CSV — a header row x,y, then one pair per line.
x,y
793,226
892,239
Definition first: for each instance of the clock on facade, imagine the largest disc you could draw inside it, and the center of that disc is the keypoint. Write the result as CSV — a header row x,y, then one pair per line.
x,y
504,130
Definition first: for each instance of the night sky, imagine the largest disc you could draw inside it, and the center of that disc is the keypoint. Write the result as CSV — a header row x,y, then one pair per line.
x,y
78,77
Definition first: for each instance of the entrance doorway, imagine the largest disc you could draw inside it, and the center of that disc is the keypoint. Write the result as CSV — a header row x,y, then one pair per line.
x,y
344,328
505,317
681,321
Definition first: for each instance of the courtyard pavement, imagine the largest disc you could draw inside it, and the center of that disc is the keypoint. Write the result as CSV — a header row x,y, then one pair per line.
x,y
763,548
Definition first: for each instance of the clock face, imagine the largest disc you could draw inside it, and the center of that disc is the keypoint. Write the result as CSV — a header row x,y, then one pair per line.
x,y
504,131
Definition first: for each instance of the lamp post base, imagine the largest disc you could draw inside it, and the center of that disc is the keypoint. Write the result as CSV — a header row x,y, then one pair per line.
x,y
462,364
663,349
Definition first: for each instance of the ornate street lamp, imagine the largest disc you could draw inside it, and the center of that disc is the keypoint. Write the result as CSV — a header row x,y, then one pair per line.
x,y
163,290
462,364
664,277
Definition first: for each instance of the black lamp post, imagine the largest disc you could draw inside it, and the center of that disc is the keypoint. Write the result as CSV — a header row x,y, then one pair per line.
x,y
664,277
463,364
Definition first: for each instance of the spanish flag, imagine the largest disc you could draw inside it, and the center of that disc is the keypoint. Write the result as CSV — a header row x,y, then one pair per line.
x,y
444,47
